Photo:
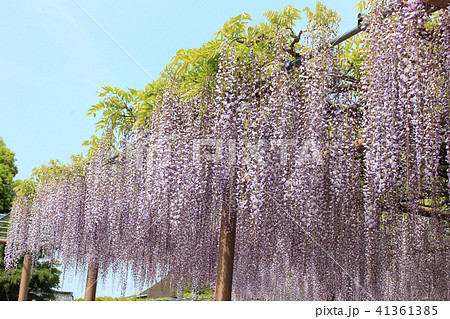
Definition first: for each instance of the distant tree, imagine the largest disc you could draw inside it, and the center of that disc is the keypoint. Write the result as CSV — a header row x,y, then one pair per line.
x,y
7,172
42,284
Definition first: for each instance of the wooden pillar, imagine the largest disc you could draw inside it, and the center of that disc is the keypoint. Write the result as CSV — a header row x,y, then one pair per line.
x,y
224,277
91,282
2,241
25,278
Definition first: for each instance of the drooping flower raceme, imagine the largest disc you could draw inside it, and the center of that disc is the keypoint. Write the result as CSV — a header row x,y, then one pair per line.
x,y
276,150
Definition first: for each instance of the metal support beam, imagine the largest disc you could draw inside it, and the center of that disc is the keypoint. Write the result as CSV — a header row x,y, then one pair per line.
x,y
25,278
438,3
91,282
347,35
341,38
362,18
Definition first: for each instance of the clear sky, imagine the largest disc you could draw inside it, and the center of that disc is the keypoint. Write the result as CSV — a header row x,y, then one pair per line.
x,y
54,59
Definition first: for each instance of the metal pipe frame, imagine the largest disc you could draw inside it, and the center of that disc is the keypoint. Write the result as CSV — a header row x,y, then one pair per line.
x,y
438,3
362,18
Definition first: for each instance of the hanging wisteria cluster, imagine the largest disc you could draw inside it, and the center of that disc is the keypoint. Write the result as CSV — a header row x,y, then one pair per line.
x,y
337,192
406,105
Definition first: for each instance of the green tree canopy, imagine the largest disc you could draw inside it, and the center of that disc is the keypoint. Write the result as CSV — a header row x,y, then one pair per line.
x,y
42,283
7,172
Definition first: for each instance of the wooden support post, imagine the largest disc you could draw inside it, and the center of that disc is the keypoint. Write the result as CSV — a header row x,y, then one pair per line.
x,y
2,241
224,277
25,279
91,282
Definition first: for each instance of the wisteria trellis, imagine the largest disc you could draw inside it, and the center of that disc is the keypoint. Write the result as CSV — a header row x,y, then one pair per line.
x,y
317,218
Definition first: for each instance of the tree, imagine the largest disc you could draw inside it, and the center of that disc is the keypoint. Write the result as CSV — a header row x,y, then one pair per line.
x,y
43,280
7,172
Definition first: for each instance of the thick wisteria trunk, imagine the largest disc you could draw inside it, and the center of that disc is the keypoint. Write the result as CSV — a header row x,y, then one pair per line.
x,y
224,280
91,282
25,278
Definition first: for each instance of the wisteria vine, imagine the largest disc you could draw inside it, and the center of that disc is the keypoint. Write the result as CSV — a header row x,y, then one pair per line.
x,y
320,215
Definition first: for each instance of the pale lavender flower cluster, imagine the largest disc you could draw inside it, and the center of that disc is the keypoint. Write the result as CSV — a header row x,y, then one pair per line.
x,y
275,151
405,97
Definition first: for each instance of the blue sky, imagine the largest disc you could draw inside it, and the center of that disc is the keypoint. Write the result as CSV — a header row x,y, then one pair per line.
x,y
54,60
